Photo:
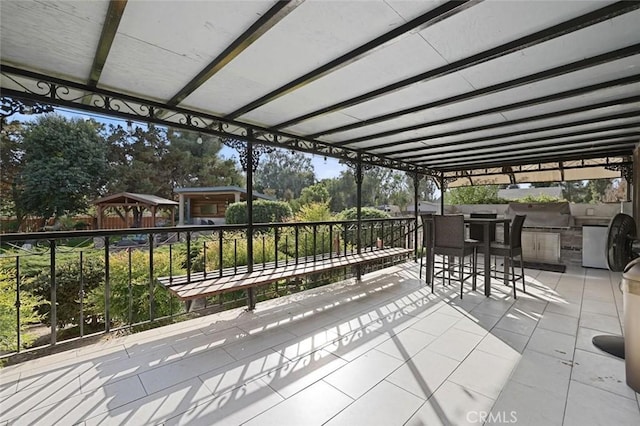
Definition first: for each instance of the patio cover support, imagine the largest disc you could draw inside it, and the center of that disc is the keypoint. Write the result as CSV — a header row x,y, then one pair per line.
x,y
251,291
53,315
416,189
359,177
249,159
152,281
443,183
107,287
636,187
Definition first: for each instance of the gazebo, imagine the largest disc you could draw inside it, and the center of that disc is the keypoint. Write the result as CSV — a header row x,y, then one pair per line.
x,y
128,202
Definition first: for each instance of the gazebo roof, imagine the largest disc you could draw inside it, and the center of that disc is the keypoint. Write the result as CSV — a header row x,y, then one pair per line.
x,y
451,88
129,198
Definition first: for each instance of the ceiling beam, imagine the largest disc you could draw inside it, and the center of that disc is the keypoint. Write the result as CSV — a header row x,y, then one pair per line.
x,y
459,146
417,24
606,150
267,21
575,24
622,152
550,115
499,109
109,30
567,164
496,88
524,150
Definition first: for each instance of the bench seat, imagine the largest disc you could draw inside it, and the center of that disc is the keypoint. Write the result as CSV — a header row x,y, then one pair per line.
x,y
198,285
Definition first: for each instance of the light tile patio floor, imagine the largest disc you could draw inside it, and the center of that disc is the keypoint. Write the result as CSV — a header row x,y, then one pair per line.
x,y
381,352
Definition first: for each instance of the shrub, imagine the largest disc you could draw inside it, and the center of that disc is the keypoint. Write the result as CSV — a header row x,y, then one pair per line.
x,y
305,240
164,303
314,212
9,226
264,211
478,194
370,231
234,251
367,213
67,289
28,312
542,198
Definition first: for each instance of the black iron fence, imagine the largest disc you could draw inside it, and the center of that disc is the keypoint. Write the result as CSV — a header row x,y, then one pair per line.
x,y
62,286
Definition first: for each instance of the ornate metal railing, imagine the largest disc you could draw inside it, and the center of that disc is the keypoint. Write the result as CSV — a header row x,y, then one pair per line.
x,y
77,284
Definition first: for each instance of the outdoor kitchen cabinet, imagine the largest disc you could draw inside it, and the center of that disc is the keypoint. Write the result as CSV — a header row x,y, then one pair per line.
x,y
542,247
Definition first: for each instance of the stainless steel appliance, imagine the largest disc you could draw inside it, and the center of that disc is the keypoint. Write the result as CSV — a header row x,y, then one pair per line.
x,y
594,246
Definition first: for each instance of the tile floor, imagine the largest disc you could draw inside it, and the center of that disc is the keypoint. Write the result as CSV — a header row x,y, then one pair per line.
x,y
382,352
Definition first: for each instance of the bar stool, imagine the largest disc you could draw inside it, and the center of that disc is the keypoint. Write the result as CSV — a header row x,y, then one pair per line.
x,y
510,250
449,242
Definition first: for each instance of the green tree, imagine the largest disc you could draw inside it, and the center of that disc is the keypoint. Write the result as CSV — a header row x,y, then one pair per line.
x,y
28,315
286,173
11,160
575,192
137,159
64,168
314,212
194,160
317,193
342,191
426,189
264,211
156,161
366,212
477,194
597,189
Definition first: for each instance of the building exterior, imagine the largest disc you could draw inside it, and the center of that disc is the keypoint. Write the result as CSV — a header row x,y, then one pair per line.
x,y
208,205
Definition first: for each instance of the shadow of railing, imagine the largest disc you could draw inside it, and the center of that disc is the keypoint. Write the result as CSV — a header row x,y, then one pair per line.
x,y
333,326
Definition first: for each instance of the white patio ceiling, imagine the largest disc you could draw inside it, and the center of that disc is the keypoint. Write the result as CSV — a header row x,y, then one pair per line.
x,y
427,86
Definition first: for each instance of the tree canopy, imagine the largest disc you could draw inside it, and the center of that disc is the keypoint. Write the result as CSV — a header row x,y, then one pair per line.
x,y
284,174
63,166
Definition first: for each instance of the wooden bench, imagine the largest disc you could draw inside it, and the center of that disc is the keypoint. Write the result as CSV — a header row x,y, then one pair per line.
x,y
199,285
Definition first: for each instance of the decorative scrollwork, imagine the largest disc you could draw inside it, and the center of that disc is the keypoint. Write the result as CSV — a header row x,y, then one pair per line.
x,y
625,169
10,106
241,146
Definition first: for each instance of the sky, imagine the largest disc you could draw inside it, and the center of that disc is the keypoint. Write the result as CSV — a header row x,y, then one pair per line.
x,y
324,169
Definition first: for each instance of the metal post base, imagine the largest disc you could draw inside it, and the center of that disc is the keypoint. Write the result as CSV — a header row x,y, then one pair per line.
x,y
613,345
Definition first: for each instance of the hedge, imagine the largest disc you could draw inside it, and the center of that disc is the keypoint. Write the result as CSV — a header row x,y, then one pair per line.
x,y
264,211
